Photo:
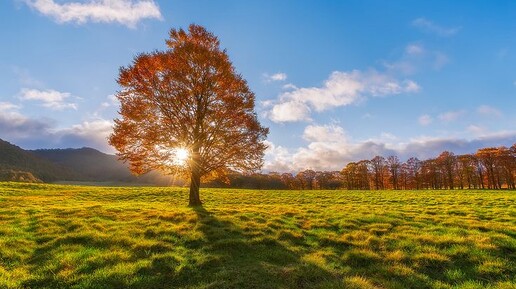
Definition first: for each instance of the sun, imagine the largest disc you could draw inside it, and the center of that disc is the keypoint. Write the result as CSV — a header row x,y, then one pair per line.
x,y
180,156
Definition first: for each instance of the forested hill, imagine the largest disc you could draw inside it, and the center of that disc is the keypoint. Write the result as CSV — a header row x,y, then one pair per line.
x,y
84,164
91,164
14,160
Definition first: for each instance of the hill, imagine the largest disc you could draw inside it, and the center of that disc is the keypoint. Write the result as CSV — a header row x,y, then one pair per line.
x,y
75,165
15,159
54,236
95,166
91,164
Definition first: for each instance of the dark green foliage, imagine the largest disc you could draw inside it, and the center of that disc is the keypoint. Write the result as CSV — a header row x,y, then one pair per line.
x,y
95,166
75,165
13,158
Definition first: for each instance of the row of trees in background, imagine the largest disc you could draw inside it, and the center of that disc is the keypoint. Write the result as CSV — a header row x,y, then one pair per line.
x,y
488,168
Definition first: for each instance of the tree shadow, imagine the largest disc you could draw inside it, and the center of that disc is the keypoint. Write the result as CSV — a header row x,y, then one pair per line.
x,y
218,253
230,258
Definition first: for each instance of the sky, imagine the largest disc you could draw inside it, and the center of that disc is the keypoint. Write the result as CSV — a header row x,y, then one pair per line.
x,y
335,81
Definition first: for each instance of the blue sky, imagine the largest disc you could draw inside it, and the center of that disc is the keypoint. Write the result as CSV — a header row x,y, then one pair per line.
x,y
335,81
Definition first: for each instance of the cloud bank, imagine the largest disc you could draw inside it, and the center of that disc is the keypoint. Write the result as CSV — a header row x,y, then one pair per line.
x,y
329,148
429,26
49,98
125,12
30,133
280,76
340,89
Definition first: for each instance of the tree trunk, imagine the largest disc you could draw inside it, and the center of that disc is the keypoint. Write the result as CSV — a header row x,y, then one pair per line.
x,y
195,183
195,179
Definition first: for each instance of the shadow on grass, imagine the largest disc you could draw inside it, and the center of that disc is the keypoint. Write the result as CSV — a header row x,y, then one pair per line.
x,y
222,256
228,258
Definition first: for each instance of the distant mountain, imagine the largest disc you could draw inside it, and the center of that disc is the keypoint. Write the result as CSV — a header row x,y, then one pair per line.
x,y
95,166
14,160
90,164
80,165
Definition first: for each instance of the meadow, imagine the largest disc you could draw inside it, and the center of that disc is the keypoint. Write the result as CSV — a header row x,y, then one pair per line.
x,y
63,236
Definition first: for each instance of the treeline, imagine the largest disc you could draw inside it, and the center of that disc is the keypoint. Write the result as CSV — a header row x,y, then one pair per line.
x,y
488,168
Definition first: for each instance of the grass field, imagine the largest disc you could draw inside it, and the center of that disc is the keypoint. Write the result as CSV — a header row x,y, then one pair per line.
x,y
57,236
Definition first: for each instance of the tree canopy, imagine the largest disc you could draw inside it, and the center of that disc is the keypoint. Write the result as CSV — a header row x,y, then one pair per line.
x,y
185,110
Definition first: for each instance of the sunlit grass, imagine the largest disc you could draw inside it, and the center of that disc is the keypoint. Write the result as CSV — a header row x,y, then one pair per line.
x,y
54,236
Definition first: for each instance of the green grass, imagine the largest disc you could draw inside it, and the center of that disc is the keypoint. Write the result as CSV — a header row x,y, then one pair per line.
x,y
57,236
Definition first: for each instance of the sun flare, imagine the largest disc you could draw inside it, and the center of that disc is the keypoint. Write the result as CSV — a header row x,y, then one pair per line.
x,y
180,156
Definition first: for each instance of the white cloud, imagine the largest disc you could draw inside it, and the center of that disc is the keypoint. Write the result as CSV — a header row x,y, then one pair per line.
x,y
280,76
330,149
340,89
429,26
425,119
476,130
415,58
125,12
429,147
405,65
411,86
50,98
387,136
278,158
289,111
33,133
15,126
451,116
91,133
290,86
414,49
324,133
487,110
5,107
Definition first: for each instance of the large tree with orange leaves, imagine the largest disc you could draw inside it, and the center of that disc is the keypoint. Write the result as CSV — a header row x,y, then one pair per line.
x,y
185,110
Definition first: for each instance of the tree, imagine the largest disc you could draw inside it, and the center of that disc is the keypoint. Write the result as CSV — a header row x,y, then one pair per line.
x,y
414,172
307,179
487,157
356,176
394,166
348,173
185,110
377,168
288,180
466,170
363,175
432,176
447,161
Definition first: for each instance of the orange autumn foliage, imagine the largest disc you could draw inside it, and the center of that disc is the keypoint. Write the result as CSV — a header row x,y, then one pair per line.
x,y
187,97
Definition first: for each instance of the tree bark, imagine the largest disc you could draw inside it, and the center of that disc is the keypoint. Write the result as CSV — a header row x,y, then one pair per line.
x,y
195,178
195,183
